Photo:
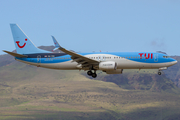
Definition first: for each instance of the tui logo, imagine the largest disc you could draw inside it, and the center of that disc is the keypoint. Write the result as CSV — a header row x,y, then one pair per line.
x,y
147,56
20,45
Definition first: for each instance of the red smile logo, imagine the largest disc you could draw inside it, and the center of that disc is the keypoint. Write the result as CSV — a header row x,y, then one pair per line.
x,y
22,45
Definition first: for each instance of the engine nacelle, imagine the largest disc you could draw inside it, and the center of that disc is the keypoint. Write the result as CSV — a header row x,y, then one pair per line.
x,y
118,71
110,65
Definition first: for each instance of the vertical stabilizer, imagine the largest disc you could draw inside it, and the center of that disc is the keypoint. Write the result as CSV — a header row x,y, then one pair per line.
x,y
22,43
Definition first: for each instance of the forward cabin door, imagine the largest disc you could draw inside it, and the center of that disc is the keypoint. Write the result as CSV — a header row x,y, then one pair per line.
x,y
39,59
155,57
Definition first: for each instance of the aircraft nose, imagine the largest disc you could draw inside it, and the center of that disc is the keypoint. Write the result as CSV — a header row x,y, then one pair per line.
x,y
174,62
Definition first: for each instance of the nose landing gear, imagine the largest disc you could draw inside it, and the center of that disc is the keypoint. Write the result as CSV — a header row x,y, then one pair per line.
x,y
90,73
159,72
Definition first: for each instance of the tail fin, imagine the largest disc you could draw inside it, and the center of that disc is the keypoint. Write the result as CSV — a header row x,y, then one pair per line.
x,y
22,43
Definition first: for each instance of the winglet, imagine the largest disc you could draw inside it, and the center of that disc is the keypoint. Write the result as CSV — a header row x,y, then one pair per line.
x,y
56,44
15,54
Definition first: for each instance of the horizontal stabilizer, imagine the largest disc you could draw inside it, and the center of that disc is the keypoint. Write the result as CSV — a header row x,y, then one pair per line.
x,y
15,54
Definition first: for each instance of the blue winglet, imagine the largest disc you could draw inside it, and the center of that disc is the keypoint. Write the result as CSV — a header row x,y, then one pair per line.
x,y
56,44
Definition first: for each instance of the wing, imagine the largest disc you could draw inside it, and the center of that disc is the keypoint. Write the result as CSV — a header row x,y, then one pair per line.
x,y
83,62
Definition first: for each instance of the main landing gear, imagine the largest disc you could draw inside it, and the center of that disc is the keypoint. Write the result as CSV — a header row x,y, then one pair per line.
x,y
90,73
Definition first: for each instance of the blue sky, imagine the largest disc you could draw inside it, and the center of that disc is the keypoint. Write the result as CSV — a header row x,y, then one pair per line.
x,y
93,25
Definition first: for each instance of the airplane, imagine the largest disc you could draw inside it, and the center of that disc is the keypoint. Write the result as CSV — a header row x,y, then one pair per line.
x,y
109,62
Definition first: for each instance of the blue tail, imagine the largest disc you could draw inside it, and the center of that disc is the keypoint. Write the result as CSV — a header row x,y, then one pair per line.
x,y
22,43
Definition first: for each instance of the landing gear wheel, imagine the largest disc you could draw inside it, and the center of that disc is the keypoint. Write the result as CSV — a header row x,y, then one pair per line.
x,y
159,73
89,73
94,75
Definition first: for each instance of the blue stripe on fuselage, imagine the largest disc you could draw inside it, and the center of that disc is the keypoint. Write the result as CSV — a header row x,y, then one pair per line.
x,y
134,56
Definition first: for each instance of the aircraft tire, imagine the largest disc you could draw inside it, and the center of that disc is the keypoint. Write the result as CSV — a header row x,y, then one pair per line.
x,y
89,73
159,73
94,75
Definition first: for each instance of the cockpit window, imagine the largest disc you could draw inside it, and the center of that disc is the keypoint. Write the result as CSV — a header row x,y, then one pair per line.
x,y
166,56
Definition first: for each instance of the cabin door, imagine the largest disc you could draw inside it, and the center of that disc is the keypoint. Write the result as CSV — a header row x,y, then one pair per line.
x,y
155,57
39,59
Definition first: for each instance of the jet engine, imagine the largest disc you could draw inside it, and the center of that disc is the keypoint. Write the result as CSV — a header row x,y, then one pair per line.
x,y
109,65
